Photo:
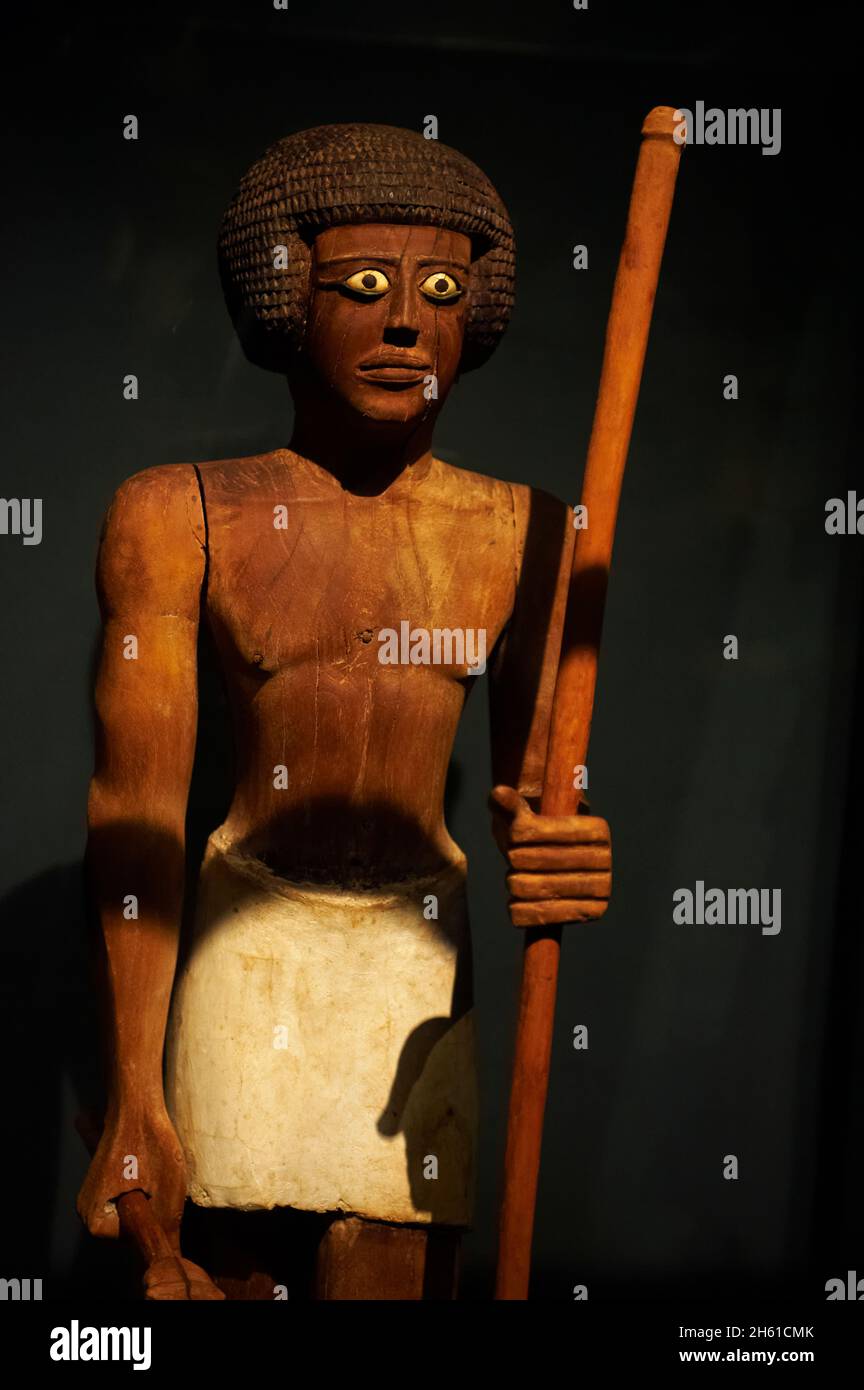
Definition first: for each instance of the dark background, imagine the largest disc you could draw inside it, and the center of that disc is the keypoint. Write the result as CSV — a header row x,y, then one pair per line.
x,y
704,1041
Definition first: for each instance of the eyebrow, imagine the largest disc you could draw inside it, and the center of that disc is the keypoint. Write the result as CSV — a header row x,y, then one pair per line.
x,y
393,260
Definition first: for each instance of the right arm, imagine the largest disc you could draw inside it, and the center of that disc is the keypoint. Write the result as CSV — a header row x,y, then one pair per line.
x,y
150,572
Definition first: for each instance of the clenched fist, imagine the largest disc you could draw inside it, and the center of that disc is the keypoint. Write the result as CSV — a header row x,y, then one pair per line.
x,y
560,866
160,1172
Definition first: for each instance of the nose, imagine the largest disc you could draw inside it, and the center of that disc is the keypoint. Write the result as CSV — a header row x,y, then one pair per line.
x,y
402,328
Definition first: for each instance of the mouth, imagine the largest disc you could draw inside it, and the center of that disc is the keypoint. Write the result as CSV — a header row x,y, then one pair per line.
x,y
395,369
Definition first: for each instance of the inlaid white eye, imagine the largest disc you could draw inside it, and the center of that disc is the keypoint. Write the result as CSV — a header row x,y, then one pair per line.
x,y
440,287
369,282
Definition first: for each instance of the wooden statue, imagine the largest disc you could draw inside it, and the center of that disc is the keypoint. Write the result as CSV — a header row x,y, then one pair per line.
x,y
317,1055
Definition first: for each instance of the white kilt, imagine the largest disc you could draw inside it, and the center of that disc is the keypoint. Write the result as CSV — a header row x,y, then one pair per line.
x,y
313,1058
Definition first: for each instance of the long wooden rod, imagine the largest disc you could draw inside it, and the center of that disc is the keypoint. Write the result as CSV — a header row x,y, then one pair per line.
x,y
626,341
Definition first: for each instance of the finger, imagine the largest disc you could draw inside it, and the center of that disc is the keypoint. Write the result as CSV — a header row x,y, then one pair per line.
x,y
567,830
550,913
203,1287
166,1280
557,858
542,887
506,806
103,1223
508,802
171,1280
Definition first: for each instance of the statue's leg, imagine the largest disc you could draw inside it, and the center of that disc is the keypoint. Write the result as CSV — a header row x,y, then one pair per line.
x,y
363,1260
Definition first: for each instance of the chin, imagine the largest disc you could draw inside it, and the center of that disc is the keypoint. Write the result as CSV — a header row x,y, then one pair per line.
x,y
395,407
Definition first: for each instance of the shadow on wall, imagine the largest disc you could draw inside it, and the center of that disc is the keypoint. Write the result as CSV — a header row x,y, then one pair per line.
x,y
49,1035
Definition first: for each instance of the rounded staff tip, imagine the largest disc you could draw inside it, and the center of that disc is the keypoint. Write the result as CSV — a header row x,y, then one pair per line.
x,y
662,121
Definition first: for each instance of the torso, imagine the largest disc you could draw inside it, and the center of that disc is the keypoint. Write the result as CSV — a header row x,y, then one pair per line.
x,y
296,611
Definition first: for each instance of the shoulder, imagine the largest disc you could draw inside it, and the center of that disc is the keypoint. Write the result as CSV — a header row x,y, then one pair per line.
x,y
174,495
534,503
169,493
536,516
467,487
239,476
153,537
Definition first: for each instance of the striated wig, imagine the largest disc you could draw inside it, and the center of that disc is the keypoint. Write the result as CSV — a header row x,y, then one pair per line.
x,y
339,174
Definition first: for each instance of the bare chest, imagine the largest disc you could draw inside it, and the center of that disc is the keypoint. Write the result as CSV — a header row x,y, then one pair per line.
x,y
338,581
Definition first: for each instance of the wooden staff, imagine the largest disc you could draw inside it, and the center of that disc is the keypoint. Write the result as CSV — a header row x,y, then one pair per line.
x,y
626,341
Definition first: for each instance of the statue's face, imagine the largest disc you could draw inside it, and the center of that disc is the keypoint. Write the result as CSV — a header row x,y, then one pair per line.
x,y
387,317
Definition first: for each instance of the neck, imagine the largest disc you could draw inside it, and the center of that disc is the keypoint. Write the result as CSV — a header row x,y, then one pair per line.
x,y
361,453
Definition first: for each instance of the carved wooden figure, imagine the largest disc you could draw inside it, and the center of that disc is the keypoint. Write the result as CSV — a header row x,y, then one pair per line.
x,y
316,1059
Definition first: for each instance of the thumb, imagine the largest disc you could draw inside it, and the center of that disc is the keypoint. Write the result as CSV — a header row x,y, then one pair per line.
x,y
507,802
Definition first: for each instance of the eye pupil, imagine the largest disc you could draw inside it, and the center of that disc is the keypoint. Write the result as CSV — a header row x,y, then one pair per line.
x,y
369,281
442,286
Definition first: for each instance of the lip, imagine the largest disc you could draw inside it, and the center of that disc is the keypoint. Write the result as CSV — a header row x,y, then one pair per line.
x,y
397,367
393,376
